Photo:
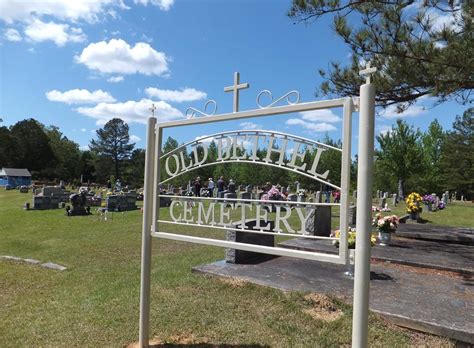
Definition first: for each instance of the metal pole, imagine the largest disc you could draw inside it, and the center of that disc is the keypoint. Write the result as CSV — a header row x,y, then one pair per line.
x,y
360,315
345,179
146,235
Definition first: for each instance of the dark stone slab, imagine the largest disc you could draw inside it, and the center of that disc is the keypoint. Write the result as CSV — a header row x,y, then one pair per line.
x,y
319,221
432,303
437,233
419,253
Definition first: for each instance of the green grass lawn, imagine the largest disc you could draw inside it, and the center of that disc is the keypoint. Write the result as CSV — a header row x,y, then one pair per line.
x,y
95,301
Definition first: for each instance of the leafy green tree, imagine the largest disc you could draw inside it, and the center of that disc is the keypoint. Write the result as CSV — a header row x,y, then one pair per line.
x,y
31,146
415,56
432,141
400,154
112,145
135,172
457,156
85,167
66,152
6,147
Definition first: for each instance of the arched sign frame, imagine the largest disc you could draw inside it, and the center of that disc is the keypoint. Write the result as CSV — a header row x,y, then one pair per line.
x,y
151,215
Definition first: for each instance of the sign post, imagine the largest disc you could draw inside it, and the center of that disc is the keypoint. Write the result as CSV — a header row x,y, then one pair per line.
x,y
360,317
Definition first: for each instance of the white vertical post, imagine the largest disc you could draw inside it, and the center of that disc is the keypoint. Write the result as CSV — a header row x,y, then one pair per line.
x,y
360,315
345,179
146,234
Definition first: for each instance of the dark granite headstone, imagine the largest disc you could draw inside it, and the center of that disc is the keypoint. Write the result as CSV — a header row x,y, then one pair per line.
x,y
319,221
352,215
242,256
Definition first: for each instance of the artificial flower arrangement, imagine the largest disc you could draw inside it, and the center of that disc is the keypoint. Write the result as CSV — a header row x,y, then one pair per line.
x,y
429,199
441,205
385,209
351,238
413,203
301,193
387,224
273,195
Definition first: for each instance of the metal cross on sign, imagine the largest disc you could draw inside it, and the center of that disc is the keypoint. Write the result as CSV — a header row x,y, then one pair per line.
x,y
152,109
236,89
367,72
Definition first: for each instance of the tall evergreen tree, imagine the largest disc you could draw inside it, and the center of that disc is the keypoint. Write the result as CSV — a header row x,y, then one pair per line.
x,y
419,47
457,156
113,144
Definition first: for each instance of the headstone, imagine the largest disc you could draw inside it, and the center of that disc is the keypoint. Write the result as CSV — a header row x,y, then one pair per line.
x,y
23,189
394,199
241,256
122,202
317,197
301,198
246,195
220,194
385,195
382,202
293,197
248,188
352,215
230,195
444,198
78,202
319,221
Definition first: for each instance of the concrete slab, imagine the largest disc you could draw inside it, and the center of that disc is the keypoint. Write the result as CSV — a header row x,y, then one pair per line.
x,y
439,233
420,253
411,297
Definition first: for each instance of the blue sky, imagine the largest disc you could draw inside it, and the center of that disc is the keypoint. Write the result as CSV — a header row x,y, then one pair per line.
x,y
77,64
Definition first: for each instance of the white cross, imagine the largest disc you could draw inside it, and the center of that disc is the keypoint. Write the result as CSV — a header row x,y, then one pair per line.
x,y
235,88
368,71
152,109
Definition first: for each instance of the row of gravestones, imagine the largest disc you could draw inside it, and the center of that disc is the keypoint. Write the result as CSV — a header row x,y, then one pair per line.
x,y
53,197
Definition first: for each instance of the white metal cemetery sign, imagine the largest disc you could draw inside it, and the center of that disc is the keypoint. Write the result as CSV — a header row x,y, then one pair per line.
x,y
240,146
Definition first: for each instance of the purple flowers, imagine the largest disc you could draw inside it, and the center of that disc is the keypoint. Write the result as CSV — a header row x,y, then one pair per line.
x,y
428,199
272,195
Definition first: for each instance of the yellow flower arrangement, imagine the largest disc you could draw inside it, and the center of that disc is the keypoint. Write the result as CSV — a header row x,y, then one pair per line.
x,y
413,202
351,238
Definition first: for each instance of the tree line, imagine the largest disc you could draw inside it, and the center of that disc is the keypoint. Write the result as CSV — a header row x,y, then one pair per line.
x,y
406,159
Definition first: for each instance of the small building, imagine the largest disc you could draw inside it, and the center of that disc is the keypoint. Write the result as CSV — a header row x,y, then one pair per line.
x,y
15,177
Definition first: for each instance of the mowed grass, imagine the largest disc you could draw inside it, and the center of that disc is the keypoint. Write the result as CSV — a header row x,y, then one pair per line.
x,y
456,214
95,301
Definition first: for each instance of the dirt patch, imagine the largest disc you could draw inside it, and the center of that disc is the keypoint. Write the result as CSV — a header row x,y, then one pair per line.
x,y
185,338
322,307
235,282
420,270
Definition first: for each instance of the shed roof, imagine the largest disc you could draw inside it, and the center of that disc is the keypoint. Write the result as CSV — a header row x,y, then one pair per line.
x,y
15,172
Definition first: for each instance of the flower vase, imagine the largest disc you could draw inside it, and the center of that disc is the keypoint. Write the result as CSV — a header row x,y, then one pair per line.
x,y
385,238
350,266
428,207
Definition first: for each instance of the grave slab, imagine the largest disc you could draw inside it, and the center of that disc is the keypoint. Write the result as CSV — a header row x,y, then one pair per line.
x,y
425,301
418,253
437,233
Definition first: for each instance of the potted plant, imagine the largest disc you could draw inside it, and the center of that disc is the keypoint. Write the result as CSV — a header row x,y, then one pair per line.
x,y
413,205
351,243
385,225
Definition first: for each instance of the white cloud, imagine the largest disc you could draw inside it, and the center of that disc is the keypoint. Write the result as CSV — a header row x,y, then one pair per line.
x,y
412,111
115,79
131,111
324,115
59,33
383,129
83,130
84,148
66,10
316,127
249,125
80,96
178,96
164,5
135,138
12,35
117,56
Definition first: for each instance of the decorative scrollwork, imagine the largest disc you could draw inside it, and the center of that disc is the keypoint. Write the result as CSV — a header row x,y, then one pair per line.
x,y
192,112
288,95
